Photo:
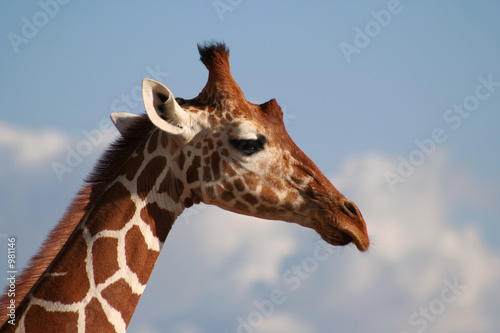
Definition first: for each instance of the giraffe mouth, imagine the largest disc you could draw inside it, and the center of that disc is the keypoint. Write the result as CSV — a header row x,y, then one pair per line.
x,y
339,236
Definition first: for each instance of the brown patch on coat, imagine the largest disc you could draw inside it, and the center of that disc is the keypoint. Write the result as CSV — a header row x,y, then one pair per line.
x,y
120,296
238,183
153,141
227,169
149,175
104,258
159,220
188,202
210,143
215,165
227,196
290,200
268,195
134,165
172,185
207,174
227,185
114,209
250,198
241,207
192,171
96,319
140,259
40,320
251,180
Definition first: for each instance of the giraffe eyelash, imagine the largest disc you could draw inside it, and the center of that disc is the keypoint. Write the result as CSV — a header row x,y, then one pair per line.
x,y
249,147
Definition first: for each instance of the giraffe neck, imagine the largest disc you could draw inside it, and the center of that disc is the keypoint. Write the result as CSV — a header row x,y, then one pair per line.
x,y
94,283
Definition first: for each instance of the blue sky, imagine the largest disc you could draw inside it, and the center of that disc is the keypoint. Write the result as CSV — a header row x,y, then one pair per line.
x,y
362,116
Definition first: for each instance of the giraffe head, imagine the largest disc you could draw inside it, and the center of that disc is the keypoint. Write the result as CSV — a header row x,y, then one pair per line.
x,y
238,155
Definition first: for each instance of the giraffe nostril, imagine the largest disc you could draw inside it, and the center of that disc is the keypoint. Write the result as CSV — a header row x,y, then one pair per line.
x,y
350,208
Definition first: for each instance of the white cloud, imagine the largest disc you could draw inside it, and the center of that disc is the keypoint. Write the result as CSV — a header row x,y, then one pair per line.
x,y
186,328
31,147
262,244
281,322
34,147
416,240
37,151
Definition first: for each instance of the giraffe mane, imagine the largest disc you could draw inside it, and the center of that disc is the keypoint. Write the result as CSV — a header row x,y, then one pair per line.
x,y
106,169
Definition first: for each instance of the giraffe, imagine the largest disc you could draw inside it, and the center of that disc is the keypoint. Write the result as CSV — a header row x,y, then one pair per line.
x,y
216,148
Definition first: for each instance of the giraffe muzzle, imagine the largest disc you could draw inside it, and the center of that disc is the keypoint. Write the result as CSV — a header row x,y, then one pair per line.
x,y
346,226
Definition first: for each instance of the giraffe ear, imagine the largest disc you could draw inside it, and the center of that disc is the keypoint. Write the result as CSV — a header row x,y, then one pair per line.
x,y
123,120
164,111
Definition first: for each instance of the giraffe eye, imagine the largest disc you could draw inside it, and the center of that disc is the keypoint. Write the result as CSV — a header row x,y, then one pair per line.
x,y
249,146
